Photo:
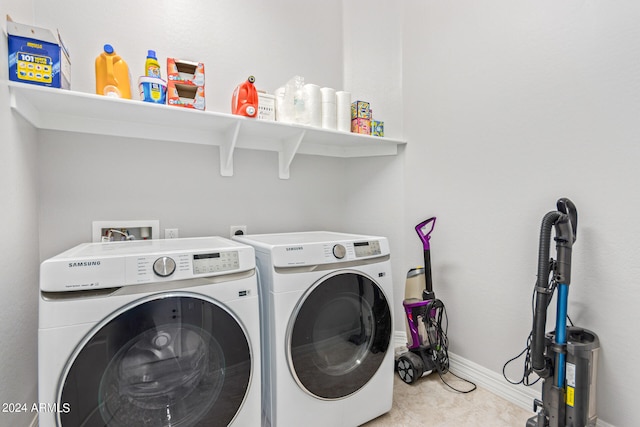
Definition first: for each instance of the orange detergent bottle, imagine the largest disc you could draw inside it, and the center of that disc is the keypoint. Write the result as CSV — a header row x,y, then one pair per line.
x,y
112,74
245,99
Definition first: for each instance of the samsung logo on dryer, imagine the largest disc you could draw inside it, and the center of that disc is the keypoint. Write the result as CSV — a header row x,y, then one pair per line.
x,y
294,248
84,264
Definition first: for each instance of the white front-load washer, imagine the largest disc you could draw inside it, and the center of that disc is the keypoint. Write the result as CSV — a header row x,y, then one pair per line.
x,y
150,333
327,314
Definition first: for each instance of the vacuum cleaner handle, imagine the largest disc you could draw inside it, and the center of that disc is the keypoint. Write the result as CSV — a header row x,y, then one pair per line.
x,y
567,207
420,229
424,236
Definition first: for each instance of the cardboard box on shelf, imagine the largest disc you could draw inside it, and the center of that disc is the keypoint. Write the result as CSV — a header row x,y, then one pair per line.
x,y
37,56
185,95
185,84
360,110
377,128
362,126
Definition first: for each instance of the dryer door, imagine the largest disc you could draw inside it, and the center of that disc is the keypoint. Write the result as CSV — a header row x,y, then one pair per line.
x,y
339,335
174,359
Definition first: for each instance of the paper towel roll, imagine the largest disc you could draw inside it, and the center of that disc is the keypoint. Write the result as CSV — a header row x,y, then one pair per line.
x,y
343,111
313,104
328,94
329,118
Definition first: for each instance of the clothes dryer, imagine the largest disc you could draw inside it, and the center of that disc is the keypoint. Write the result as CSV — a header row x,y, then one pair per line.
x,y
327,312
150,333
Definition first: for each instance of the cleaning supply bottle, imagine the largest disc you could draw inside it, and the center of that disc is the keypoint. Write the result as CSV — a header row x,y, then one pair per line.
x,y
244,101
151,65
112,74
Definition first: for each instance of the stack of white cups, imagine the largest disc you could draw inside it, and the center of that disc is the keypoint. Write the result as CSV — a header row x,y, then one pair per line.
x,y
329,116
343,111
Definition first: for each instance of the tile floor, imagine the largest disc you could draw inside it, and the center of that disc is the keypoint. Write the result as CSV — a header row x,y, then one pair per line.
x,y
428,402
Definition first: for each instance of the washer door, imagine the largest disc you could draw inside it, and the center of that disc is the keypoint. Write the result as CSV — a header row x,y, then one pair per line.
x,y
339,335
168,360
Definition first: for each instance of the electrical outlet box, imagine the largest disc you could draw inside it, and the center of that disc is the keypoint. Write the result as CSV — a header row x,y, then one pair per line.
x,y
171,233
237,230
125,230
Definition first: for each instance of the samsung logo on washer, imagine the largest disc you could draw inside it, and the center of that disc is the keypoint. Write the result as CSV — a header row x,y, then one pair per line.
x,y
294,248
84,264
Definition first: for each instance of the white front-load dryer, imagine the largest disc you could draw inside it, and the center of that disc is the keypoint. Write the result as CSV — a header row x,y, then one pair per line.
x,y
150,333
327,312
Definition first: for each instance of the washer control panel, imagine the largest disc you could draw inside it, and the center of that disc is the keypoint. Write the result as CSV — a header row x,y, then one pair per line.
x,y
175,266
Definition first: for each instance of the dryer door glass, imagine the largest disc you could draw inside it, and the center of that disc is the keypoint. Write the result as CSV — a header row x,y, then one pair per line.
x,y
168,361
339,335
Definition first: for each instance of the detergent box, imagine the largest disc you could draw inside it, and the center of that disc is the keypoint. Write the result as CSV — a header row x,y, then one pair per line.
x,y
360,110
37,56
185,84
266,106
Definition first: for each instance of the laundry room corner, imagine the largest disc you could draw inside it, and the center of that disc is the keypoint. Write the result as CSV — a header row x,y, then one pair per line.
x,y
19,260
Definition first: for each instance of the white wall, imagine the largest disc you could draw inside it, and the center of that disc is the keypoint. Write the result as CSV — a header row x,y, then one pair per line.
x,y
524,103
86,178
18,247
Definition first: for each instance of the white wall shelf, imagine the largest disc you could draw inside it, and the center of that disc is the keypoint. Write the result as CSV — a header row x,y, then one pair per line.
x,y
56,109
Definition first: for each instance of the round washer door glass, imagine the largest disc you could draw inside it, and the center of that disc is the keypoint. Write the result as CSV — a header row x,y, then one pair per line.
x,y
173,360
339,335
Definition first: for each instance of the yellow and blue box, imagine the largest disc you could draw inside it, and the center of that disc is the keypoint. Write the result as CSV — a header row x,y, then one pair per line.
x,y
360,110
377,128
37,56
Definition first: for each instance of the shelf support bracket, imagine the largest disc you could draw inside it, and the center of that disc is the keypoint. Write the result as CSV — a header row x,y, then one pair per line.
x,y
226,152
285,156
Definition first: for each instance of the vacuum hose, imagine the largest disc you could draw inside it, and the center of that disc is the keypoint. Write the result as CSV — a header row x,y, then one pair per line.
x,y
565,222
543,296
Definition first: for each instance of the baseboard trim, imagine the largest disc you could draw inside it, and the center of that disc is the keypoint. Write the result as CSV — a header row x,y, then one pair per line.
x,y
489,380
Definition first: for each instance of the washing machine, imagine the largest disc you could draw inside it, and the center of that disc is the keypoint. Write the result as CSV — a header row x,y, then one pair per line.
x,y
327,323
150,333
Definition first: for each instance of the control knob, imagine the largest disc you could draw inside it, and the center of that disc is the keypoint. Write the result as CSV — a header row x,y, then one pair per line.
x,y
339,251
164,266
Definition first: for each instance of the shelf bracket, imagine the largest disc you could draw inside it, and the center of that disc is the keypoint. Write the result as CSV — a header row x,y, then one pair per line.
x,y
227,147
285,156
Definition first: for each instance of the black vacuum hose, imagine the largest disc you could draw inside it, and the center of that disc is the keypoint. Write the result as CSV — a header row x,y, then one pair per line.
x,y
543,296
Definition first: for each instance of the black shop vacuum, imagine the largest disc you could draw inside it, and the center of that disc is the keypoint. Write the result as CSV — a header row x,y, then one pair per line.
x,y
426,321
566,358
